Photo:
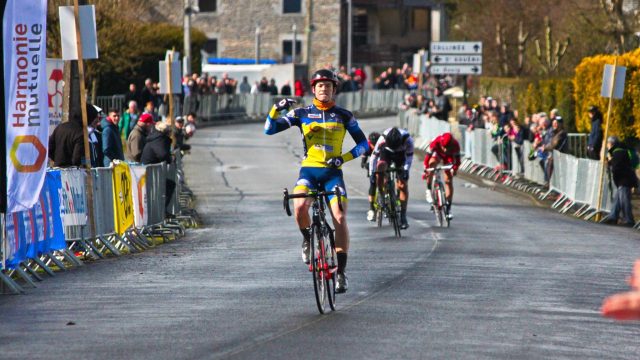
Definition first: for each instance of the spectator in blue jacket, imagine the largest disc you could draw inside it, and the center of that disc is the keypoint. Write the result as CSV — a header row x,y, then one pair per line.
x,y
594,144
111,143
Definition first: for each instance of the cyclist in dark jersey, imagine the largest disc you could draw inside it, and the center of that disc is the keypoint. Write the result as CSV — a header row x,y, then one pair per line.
x,y
323,126
395,146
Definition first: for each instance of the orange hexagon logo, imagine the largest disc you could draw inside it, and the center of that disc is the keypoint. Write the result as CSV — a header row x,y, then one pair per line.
x,y
35,142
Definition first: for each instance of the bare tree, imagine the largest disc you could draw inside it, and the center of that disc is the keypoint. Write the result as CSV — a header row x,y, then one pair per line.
x,y
553,52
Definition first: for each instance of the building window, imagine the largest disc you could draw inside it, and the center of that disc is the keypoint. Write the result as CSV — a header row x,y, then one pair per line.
x,y
291,6
419,19
360,27
287,51
208,5
211,47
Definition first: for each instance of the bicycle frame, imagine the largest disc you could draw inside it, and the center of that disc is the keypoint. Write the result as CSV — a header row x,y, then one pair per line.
x,y
323,263
438,194
389,204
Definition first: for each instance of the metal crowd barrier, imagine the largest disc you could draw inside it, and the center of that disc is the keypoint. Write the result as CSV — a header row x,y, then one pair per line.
x,y
73,220
574,179
210,107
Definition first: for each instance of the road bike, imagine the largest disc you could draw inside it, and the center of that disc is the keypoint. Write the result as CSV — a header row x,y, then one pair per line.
x,y
323,264
438,196
388,204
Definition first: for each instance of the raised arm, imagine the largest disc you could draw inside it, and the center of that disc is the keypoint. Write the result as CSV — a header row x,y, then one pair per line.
x,y
274,123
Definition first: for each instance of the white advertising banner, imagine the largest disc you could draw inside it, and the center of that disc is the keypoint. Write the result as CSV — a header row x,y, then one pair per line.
x,y
26,113
139,194
55,69
73,200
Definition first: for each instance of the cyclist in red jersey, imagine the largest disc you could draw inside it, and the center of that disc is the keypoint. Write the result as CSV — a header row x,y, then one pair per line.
x,y
446,150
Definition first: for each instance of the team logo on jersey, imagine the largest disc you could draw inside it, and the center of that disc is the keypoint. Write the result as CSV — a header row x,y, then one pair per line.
x,y
333,115
315,116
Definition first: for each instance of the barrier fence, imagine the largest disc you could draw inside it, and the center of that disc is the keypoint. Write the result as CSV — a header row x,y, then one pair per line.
x,y
129,210
574,180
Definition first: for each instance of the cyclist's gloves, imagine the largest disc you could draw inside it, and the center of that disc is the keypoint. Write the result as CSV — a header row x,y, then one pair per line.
x,y
335,162
284,104
404,175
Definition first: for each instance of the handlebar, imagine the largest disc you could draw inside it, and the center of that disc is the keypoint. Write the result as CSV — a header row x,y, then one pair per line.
x,y
315,195
445,167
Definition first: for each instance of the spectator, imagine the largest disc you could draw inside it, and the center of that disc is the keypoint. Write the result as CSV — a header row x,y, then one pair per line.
x,y
559,137
299,88
229,84
286,89
505,114
443,106
94,131
179,135
137,137
158,149
594,144
408,103
150,109
348,84
245,88
132,95
624,178
66,143
264,85
553,114
147,92
111,143
255,88
501,142
515,133
190,127
128,121
273,89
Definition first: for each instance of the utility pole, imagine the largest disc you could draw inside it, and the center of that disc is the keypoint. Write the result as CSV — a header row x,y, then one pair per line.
x,y
186,62
309,30
294,28
349,33
258,44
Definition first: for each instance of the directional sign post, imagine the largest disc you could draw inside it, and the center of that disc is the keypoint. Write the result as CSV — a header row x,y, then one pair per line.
x,y
456,69
456,58
456,47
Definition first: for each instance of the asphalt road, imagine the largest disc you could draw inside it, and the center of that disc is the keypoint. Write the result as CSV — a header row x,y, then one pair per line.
x,y
508,280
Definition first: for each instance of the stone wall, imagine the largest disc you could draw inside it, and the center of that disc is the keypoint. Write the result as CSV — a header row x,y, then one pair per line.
x,y
234,25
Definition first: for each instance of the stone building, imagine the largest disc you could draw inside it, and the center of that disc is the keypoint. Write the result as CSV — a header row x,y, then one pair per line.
x,y
384,32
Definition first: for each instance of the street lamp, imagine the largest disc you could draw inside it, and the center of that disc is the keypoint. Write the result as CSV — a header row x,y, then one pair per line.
x,y
294,28
258,44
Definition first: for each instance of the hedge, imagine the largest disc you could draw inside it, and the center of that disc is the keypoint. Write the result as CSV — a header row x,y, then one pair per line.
x,y
588,82
534,95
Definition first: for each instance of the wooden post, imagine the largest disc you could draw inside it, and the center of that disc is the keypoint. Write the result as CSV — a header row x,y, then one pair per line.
x,y
603,151
85,131
170,118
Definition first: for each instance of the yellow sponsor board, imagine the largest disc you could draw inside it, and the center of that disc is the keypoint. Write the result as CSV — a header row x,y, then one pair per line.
x,y
122,197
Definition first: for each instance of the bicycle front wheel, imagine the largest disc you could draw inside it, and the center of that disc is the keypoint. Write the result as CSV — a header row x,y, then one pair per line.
x,y
443,221
318,262
332,267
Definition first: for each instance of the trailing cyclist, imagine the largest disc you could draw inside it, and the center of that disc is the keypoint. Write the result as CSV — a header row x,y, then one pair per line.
x,y
373,139
323,126
446,150
395,146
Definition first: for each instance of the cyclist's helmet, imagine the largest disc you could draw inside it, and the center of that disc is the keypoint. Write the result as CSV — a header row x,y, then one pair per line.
x,y
324,75
445,140
373,137
393,139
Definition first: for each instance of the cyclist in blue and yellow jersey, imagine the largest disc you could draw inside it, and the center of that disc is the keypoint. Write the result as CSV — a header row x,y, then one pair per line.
x,y
323,126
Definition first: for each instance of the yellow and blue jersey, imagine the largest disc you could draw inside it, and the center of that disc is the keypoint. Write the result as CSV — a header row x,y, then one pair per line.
x,y
323,132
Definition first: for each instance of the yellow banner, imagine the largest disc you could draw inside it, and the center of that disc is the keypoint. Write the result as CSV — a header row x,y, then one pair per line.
x,y
122,197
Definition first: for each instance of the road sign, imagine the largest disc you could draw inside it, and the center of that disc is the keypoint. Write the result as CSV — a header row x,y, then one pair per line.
x,y
456,69
607,80
438,59
456,47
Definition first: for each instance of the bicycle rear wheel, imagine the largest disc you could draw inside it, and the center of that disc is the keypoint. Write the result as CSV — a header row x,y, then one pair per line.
x,y
442,207
394,212
317,267
332,264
